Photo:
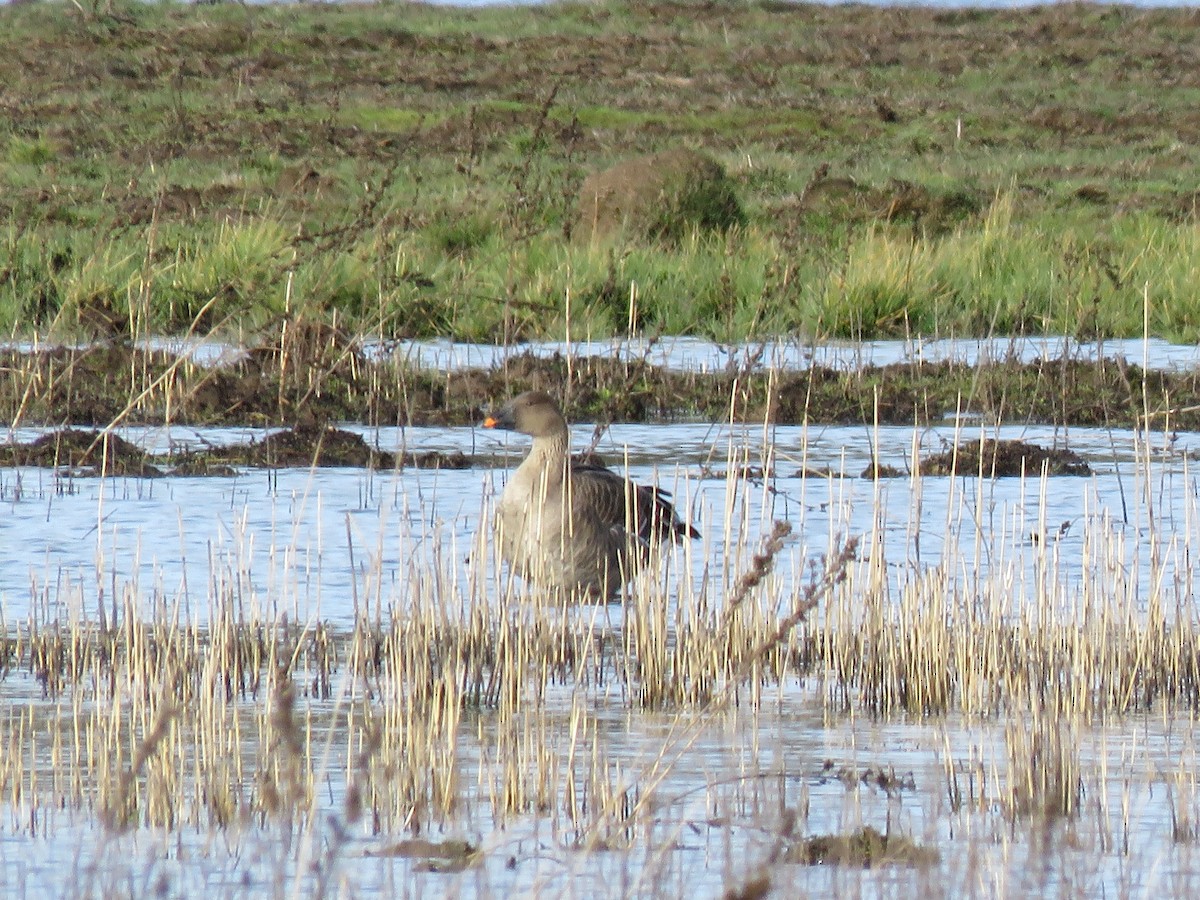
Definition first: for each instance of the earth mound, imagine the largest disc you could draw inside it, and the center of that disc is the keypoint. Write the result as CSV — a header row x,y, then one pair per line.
x,y
995,459
662,196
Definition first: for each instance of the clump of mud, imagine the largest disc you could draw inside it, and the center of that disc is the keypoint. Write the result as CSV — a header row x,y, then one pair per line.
x,y
662,196
326,446
433,856
104,454
991,459
312,446
83,452
994,459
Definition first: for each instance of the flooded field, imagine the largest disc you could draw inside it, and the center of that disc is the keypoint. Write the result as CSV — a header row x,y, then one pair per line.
x,y
318,682
286,535
683,353
697,354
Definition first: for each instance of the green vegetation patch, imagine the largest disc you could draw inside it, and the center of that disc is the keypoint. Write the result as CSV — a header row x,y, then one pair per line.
x,y
416,171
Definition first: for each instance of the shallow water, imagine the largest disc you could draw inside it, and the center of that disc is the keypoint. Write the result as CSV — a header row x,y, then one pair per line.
x,y
733,782
331,543
698,354
285,537
701,355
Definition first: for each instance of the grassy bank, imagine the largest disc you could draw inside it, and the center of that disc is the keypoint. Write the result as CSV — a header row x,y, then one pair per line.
x,y
405,170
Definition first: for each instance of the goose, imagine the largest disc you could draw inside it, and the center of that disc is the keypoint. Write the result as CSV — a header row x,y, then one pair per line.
x,y
569,525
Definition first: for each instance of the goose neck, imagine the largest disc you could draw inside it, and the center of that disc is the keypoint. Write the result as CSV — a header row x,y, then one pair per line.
x,y
549,455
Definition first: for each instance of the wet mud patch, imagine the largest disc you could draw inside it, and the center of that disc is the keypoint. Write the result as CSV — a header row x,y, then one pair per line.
x,y
884,778
98,453
308,447
1005,459
878,469
83,452
311,446
199,464
316,446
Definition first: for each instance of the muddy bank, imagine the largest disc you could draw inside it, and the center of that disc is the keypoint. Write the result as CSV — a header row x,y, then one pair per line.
x,y
86,452
991,459
90,453
112,384
1005,459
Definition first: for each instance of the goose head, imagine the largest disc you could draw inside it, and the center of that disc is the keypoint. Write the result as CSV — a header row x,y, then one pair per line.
x,y
533,413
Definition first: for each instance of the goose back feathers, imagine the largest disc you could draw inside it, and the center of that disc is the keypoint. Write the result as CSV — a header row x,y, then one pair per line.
x,y
572,525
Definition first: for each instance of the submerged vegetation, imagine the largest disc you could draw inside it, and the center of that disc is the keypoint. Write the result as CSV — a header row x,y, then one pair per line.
x,y
413,171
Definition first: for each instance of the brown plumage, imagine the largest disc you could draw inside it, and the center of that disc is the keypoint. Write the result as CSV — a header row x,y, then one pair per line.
x,y
571,525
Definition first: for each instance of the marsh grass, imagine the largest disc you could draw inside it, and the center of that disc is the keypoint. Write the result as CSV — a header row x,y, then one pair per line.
x,y
462,277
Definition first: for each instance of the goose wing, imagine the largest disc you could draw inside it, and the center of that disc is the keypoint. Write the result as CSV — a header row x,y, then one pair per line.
x,y
602,493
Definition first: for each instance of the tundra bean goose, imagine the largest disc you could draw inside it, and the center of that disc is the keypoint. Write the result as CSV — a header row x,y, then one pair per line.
x,y
570,525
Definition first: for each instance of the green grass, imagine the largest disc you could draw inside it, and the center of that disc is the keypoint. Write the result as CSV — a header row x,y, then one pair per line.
x,y
412,171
